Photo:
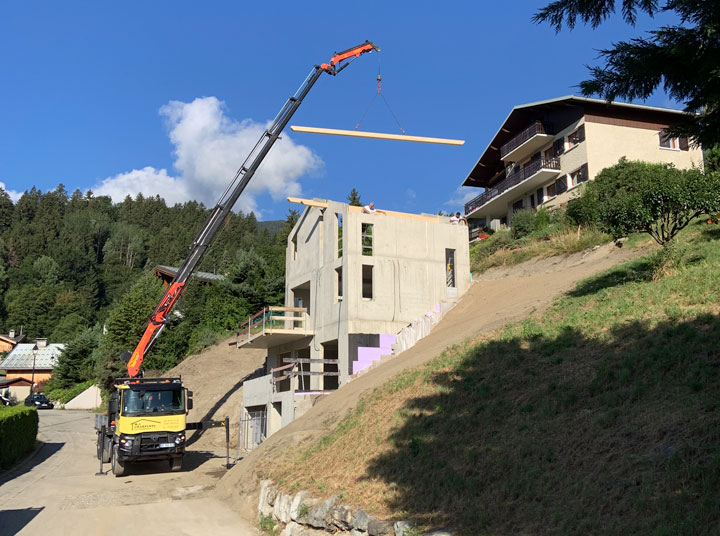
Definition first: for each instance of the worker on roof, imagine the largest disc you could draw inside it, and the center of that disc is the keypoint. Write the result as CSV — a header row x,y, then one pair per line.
x,y
370,209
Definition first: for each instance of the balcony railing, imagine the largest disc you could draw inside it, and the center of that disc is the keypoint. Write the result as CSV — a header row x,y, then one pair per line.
x,y
515,178
533,130
274,320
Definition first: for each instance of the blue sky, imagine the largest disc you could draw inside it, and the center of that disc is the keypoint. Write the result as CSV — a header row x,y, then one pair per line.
x,y
166,97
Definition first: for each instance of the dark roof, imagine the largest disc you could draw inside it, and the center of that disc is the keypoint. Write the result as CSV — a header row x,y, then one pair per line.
x,y
18,338
521,116
11,381
200,276
21,357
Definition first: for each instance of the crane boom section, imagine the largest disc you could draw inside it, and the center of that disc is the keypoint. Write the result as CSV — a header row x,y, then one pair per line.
x,y
158,319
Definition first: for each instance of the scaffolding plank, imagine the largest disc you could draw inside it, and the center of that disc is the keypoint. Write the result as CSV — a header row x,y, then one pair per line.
x,y
305,360
309,373
375,135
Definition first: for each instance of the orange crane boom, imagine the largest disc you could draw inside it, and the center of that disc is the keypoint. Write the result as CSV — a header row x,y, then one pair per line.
x,y
158,319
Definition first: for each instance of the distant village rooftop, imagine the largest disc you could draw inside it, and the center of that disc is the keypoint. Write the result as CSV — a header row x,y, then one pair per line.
x,y
21,358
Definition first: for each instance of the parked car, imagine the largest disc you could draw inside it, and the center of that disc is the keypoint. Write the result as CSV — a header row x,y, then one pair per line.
x,y
40,401
5,401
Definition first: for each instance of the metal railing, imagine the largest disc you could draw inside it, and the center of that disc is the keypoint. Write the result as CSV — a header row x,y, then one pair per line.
x,y
273,319
536,128
521,174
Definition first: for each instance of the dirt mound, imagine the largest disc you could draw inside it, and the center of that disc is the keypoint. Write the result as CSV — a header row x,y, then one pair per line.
x,y
215,376
499,296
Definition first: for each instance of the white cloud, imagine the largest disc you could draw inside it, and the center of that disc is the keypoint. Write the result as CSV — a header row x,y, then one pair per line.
x,y
462,195
12,193
209,148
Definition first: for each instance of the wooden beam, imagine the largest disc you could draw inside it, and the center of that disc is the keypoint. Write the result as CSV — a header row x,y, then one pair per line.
x,y
375,135
307,202
306,360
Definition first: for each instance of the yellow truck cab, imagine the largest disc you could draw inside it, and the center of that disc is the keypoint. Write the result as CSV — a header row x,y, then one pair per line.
x,y
146,421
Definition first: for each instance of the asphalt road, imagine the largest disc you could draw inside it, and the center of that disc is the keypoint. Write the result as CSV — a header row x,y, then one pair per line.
x,y
55,490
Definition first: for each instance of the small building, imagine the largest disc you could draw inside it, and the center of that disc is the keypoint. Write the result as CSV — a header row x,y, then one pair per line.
x,y
353,283
32,361
9,341
544,150
17,388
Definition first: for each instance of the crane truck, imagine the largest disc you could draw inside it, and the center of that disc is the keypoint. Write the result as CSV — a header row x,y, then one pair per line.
x,y
146,418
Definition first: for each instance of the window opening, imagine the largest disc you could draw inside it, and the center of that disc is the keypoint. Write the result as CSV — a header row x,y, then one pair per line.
x,y
551,190
338,283
367,281
339,234
367,239
450,267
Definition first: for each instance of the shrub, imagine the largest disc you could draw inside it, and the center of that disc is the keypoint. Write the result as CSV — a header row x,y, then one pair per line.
x,y
523,223
542,219
65,395
585,209
18,429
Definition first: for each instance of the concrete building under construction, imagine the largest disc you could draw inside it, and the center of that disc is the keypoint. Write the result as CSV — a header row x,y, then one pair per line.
x,y
355,282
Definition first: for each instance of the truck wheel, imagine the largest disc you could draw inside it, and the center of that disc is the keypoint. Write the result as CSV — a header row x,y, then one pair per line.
x,y
118,465
176,464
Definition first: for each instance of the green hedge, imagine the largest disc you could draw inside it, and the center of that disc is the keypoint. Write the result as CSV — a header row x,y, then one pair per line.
x,y
18,429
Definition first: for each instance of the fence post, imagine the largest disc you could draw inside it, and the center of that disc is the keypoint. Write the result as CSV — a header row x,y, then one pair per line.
x,y
227,442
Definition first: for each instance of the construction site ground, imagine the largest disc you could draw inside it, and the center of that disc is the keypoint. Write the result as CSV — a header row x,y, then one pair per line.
x,y
55,490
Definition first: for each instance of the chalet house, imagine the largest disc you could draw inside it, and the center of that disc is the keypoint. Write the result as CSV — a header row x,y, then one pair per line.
x,y
9,341
356,285
32,361
544,150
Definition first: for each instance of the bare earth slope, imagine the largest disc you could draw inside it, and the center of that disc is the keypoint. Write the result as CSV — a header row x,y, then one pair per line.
x,y
499,296
215,376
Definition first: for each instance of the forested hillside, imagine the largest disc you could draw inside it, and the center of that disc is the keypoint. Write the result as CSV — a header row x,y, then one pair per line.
x,y
71,264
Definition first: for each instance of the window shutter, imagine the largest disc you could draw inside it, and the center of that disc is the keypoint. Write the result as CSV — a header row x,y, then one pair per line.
x,y
539,196
560,185
581,133
584,175
559,147
664,140
684,145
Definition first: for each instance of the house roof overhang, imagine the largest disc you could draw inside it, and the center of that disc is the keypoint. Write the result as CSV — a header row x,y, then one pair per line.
x,y
490,163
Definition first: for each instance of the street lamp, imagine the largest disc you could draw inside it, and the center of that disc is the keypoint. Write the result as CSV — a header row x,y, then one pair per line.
x,y
32,381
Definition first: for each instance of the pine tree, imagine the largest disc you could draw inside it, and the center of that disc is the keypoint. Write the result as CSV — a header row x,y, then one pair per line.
x,y
354,198
682,57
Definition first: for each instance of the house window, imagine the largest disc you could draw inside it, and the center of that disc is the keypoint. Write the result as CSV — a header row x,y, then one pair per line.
x,y
339,234
551,190
450,268
517,205
338,283
367,281
532,200
549,154
579,175
539,196
367,239
677,144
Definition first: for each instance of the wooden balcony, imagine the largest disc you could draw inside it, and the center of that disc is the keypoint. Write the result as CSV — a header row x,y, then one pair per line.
x,y
273,326
532,174
530,140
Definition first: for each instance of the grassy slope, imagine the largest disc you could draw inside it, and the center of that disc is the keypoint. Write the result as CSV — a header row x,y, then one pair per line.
x,y
501,250
599,417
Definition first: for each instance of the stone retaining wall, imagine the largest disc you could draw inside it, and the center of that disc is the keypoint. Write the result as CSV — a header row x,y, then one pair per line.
x,y
302,515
